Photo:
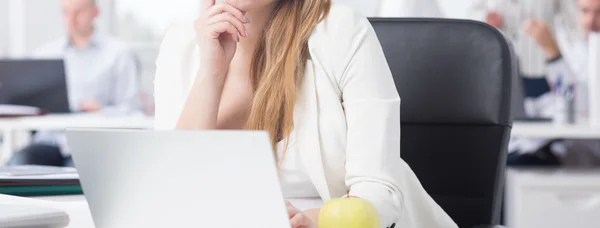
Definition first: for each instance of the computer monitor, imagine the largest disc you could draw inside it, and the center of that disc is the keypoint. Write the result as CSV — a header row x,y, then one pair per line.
x,y
36,83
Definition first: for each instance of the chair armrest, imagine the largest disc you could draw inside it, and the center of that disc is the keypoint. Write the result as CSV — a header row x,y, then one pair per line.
x,y
489,226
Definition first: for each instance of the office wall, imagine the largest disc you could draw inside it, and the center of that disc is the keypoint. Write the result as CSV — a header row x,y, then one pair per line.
x,y
42,20
27,24
455,8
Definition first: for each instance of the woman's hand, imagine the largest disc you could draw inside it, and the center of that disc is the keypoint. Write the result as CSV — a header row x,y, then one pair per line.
x,y
299,219
218,30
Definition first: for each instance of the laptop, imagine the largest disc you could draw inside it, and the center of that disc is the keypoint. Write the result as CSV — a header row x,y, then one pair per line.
x,y
179,179
36,83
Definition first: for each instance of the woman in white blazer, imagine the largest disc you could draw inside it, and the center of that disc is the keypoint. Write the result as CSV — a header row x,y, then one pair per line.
x,y
315,77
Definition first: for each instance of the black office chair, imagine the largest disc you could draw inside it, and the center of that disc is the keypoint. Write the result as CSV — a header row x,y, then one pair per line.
x,y
454,78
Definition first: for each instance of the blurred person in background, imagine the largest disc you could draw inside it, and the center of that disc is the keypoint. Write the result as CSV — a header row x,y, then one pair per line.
x,y
102,76
512,16
395,8
567,59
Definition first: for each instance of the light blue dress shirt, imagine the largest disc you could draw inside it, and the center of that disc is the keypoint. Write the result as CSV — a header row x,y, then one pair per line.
x,y
106,71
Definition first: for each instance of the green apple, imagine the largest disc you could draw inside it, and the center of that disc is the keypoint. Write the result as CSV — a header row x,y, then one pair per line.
x,y
349,213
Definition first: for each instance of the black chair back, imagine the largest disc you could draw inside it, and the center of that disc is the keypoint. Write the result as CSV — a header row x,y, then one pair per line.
x,y
454,78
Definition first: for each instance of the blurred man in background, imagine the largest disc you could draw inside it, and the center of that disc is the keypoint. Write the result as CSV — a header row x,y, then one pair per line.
x,y
395,8
567,59
512,16
102,76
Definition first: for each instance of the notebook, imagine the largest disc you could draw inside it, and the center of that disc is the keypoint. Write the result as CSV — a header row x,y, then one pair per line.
x,y
39,181
19,111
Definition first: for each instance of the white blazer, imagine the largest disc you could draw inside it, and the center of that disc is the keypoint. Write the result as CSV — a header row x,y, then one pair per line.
x,y
347,117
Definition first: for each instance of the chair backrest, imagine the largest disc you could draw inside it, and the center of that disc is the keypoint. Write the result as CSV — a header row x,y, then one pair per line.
x,y
454,78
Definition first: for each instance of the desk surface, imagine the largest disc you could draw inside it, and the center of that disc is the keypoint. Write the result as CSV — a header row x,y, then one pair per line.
x,y
16,131
550,130
55,122
77,208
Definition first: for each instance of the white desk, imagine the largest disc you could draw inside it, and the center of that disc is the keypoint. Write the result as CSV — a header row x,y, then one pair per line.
x,y
552,198
57,122
79,213
550,130
15,131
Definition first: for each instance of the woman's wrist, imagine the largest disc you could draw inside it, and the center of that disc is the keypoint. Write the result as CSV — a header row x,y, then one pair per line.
x,y
211,77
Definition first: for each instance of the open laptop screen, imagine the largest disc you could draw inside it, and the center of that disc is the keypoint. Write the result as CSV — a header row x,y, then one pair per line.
x,y
36,83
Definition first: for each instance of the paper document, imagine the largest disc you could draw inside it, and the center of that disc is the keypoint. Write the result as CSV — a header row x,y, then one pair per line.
x,y
65,177
32,170
18,110
35,173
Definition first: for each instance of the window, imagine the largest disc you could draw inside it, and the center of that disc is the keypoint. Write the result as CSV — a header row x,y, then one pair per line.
x,y
145,22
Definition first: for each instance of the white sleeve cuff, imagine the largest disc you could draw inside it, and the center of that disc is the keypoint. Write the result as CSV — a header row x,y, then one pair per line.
x,y
387,203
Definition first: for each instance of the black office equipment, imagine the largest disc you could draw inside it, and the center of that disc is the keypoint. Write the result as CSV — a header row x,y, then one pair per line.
x,y
528,88
455,79
36,83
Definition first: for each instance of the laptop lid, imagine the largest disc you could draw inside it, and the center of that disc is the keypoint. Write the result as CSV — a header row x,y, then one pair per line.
x,y
179,179
37,83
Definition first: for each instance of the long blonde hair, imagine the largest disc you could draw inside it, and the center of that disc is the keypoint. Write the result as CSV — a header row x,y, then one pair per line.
x,y
279,63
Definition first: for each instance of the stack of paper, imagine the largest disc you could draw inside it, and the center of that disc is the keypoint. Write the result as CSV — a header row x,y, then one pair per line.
x,y
18,111
39,181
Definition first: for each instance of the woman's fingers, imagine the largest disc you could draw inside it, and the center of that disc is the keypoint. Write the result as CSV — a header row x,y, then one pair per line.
x,y
292,211
300,220
224,27
231,19
208,4
226,8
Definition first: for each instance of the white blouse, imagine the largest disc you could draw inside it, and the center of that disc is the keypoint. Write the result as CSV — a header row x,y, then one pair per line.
x,y
346,119
296,185
293,177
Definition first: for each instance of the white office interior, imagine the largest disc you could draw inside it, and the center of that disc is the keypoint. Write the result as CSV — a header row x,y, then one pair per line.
x,y
553,197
